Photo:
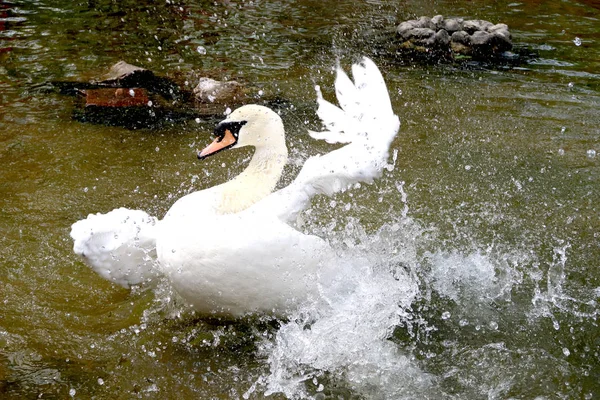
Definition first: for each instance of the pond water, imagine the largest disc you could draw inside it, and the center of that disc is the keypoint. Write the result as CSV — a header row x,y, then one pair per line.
x,y
476,257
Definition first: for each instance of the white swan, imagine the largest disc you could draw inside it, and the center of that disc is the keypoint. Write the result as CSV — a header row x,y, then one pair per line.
x,y
232,249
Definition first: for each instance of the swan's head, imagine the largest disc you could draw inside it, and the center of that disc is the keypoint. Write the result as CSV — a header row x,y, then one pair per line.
x,y
250,125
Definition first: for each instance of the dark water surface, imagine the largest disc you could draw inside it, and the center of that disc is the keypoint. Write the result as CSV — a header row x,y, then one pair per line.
x,y
499,226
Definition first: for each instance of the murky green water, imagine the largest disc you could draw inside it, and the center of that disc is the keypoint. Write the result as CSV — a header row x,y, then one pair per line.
x,y
500,167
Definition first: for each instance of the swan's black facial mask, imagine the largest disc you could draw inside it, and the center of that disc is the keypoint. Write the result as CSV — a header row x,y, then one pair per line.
x,y
226,133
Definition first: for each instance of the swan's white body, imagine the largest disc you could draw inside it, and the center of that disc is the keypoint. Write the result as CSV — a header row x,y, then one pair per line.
x,y
231,249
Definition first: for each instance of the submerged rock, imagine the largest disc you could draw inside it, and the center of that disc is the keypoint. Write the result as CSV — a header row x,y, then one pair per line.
x,y
210,90
449,38
122,70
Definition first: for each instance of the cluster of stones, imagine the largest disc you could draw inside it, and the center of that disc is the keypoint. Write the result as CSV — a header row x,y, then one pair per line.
x,y
471,37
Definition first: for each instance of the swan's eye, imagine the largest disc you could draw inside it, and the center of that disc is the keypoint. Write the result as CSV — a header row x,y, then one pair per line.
x,y
226,126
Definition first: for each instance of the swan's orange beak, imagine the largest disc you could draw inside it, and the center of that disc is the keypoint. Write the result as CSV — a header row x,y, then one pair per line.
x,y
220,143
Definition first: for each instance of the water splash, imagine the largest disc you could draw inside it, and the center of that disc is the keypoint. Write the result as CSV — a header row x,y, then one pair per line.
x,y
343,338
471,279
557,297
390,281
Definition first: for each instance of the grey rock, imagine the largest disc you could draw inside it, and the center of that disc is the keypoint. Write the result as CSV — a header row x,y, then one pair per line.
x,y
451,26
422,33
490,43
474,37
425,22
461,37
121,70
422,36
481,38
501,40
497,27
212,91
474,25
442,38
438,22
503,33
403,29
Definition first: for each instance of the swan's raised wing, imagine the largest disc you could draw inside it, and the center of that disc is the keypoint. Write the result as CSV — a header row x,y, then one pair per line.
x,y
120,245
365,120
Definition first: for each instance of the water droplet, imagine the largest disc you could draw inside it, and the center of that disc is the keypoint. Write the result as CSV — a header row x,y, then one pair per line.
x,y
571,84
556,325
577,41
591,153
131,92
149,103
201,50
463,322
493,325
566,352
445,315
72,392
100,381
227,111
467,167
260,92
561,152
197,120
157,149
563,129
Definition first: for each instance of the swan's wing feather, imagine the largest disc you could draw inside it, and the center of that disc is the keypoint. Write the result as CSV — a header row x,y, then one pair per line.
x,y
120,245
366,121
347,93
333,118
371,85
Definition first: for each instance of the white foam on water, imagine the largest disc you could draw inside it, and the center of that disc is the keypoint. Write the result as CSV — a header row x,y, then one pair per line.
x,y
474,278
346,340
343,339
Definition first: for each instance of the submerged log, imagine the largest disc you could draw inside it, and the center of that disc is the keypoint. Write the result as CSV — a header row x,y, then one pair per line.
x,y
120,97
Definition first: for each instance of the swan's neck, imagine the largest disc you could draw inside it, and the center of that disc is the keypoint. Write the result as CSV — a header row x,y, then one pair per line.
x,y
256,182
